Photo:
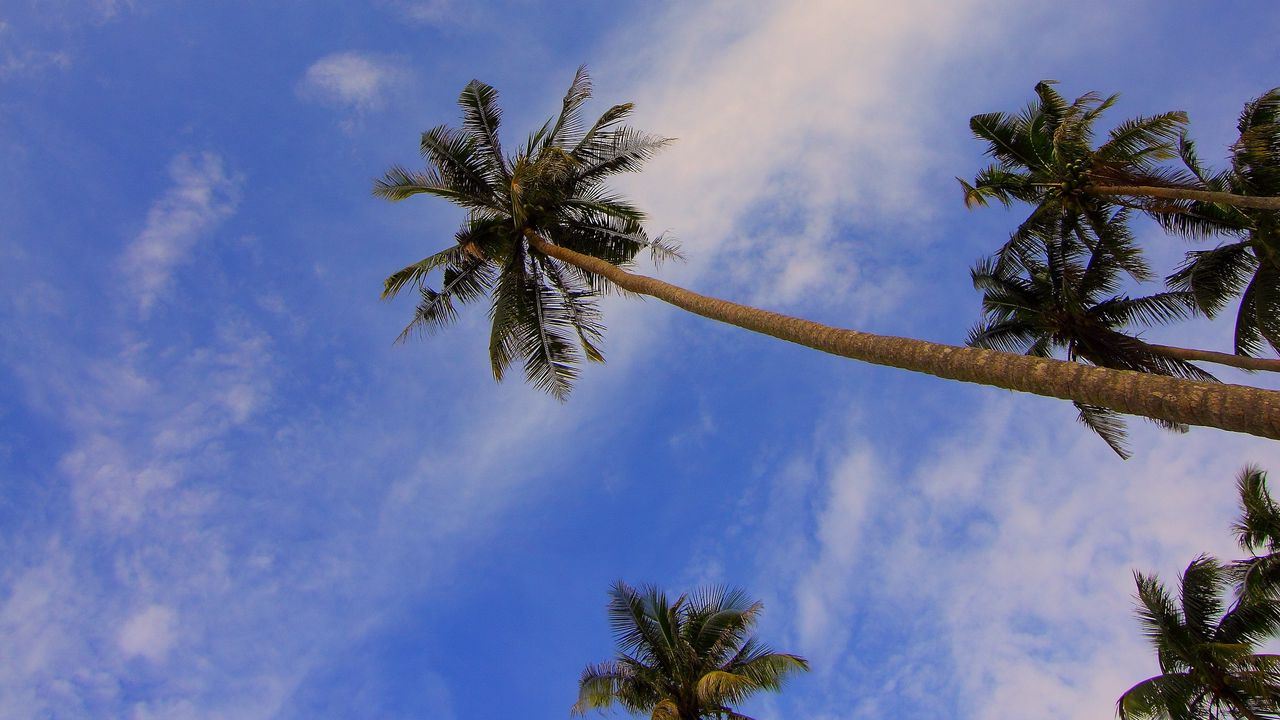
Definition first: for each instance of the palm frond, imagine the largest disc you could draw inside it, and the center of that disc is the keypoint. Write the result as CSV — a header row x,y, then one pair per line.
x,y
465,279
618,151
481,118
1259,525
1214,276
999,183
454,157
1004,141
1174,696
598,687
1142,140
1202,587
1258,320
399,183
416,273
579,308
568,128
1159,309
1106,424
596,137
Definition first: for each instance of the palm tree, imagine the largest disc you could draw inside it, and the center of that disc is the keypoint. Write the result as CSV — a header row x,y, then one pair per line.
x,y
544,236
684,660
1250,266
1258,532
1208,665
1044,156
1062,298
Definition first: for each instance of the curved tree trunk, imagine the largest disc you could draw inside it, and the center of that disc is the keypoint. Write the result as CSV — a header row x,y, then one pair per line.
x,y
1244,362
1259,202
1230,407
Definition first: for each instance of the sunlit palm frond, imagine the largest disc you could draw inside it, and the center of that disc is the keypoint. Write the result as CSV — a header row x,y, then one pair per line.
x,y
1173,696
692,656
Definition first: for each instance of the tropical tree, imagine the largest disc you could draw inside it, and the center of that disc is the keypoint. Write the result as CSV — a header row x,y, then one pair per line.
x,y
1062,299
1258,532
1044,155
544,236
1249,266
1209,667
684,660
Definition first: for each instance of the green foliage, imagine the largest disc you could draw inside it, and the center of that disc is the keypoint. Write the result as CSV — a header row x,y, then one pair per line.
x,y
1044,156
543,312
1247,265
1207,646
690,658
1055,291
1209,667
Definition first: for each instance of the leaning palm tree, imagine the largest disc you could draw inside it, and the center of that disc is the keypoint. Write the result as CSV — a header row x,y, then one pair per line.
x,y
1062,298
684,660
544,236
1249,265
1209,667
1258,532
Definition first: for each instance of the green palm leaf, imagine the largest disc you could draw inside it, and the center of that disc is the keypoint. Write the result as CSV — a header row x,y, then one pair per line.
x,y
688,658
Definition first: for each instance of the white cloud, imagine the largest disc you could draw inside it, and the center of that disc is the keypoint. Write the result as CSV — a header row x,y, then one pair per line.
x,y
203,194
1001,560
432,12
350,81
791,140
149,633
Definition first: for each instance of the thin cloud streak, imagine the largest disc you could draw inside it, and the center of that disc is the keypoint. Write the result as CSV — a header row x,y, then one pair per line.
x,y
203,194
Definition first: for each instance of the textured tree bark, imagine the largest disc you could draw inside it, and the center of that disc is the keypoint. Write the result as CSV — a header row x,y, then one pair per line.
x,y
1244,362
1259,202
1237,408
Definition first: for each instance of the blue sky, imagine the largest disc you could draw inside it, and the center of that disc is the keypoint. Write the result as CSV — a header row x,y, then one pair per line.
x,y
227,494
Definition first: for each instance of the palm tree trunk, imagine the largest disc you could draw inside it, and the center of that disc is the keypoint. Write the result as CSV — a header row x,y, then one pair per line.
x,y
1260,202
1244,362
1230,407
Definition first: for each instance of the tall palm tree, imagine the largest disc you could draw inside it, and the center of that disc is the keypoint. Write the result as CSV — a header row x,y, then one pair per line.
x,y
544,236
1209,667
1062,298
1258,532
684,660
1248,267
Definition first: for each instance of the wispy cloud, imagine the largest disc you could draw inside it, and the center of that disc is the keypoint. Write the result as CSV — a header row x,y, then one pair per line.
x,y
202,195
992,562
352,82
789,161
18,59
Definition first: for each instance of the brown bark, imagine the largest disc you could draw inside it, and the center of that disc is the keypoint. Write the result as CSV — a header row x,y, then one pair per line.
x,y
1259,202
1244,362
1237,408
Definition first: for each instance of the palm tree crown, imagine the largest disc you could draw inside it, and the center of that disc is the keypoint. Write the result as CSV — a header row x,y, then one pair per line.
x,y
1208,661
1058,295
1044,155
1248,267
684,660
1258,532
542,310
